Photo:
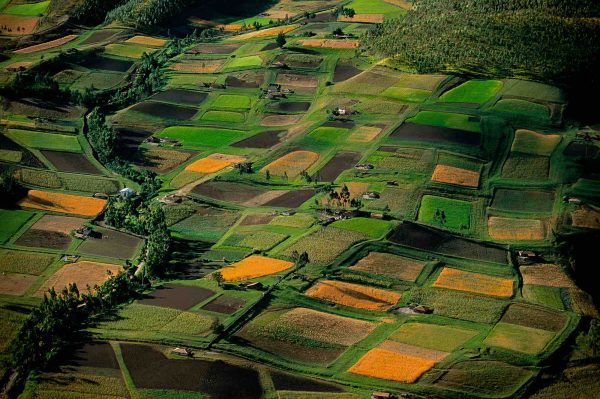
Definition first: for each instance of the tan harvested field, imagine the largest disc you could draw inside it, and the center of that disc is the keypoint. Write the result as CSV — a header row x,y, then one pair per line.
x,y
280,120
411,350
388,365
82,273
354,295
292,164
265,32
10,24
15,284
419,82
58,224
147,41
330,43
390,265
451,175
586,217
62,203
15,66
162,160
400,3
364,134
47,45
265,197
546,274
327,327
582,303
356,189
294,79
460,280
363,18
530,142
501,228
214,163
197,66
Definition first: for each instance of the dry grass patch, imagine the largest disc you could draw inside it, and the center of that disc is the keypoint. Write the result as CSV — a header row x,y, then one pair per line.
x,y
501,228
293,163
546,274
388,365
214,163
10,23
586,217
294,79
364,134
519,338
356,189
330,43
265,32
254,266
147,41
451,175
363,18
412,350
460,280
58,224
390,265
325,245
354,295
530,142
433,336
47,45
83,273
16,284
197,66
62,203
280,120
583,303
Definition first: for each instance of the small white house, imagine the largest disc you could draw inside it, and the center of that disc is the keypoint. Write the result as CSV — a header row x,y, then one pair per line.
x,y
127,192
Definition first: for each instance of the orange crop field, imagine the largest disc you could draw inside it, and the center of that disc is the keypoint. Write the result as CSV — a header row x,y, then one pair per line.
x,y
354,295
330,43
62,203
546,274
214,163
15,25
47,45
265,32
363,18
146,41
364,134
292,163
388,365
82,273
197,66
460,280
501,228
451,175
254,266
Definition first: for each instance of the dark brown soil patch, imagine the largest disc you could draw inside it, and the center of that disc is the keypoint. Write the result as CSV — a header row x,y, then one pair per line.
x,y
523,200
164,110
289,382
174,296
70,162
581,150
225,304
44,239
429,239
526,166
131,138
292,106
534,317
234,81
106,64
257,219
150,369
226,191
115,244
305,61
209,48
270,46
388,148
417,132
326,16
262,140
95,355
342,124
292,199
336,165
188,97
98,37
344,71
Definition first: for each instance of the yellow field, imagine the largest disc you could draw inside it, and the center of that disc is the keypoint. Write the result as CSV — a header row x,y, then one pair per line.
x,y
364,134
546,274
197,66
500,228
62,203
388,365
47,45
254,266
356,189
586,217
265,32
293,163
460,280
147,41
354,295
16,66
214,163
82,273
363,18
458,176
330,43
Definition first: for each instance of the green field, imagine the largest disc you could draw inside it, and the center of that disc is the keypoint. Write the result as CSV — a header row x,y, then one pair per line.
x,y
374,7
407,94
457,213
244,62
326,136
46,141
473,91
372,227
12,220
223,116
128,50
522,108
443,119
201,136
31,9
232,101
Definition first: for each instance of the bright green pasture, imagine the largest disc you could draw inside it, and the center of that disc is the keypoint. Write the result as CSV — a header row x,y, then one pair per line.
x,y
458,213
523,108
128,50
232,101
374,7
327,135
473,91
12,220
449,120
223,116
372,227
432,336
32,9
543,295
47,141
244,62
201,136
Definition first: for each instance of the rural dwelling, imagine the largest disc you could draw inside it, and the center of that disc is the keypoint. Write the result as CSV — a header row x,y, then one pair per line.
x,y
103,196
381,395
127,192
370,195
526,256
364,166
182,352
82,233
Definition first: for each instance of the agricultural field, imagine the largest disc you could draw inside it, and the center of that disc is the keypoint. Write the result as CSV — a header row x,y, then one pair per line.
x,y
300,199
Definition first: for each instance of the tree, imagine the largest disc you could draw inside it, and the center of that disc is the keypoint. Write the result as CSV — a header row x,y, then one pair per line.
x,y
218,277
267,175
280,40
345,194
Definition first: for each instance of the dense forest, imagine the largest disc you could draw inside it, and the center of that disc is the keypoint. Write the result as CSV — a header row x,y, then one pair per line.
x,y
554,41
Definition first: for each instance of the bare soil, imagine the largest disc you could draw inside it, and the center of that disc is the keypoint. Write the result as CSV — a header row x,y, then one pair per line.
x,y
262,140
336,165
164,110
175,296
70,162
417,132
225,304
292,199
44,239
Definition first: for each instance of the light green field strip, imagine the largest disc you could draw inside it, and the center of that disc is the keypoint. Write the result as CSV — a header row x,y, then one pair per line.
x,y
29,10
47,141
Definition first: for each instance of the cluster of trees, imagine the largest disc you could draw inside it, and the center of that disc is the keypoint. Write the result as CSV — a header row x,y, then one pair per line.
x,y
149,13
92,12
548,40
36,83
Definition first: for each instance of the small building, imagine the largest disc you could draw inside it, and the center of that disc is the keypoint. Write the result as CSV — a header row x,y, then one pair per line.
x,y
82,233
279,65
364,166
172,199
103,196
381,395
273,88
392,183
289,212
525,257
168,140
217,86
127,192
152,140
377,215
70,258
370,195
182,352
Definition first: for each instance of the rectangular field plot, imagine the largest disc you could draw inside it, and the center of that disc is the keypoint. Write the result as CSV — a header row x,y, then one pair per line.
x,y
254,266
112,243
374,228
232,101
201,136
519,338
390,265
290,199
457,176
106,63
251,61
46,141
445,212
188,97
214,163
12,221
418,132
340,162
23,262
70,162
526,167
354,295
534,317
197,66
388,365
223,116
459,280
164,110
512,229
305,386
16,284
304,335
546,274
324,245
175,296
513,107
82,273
208,224
472,92
62,203
292,164
266,139
432,336
530,142
448,120
128,50
523,200
225,304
